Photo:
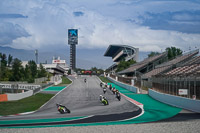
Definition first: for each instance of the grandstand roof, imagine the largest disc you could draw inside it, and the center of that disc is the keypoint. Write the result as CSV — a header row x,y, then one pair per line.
x,y
113,49
141,64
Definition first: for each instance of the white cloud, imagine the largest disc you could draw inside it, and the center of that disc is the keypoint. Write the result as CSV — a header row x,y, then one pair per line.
x,y
48,22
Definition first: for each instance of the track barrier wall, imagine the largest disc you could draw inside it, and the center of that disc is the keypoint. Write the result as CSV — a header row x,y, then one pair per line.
x,y
56,79
181,102
3,97
126,86
16,96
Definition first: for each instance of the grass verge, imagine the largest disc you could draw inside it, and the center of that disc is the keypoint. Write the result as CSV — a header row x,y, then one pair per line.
x,y
28,104
104,79
65,81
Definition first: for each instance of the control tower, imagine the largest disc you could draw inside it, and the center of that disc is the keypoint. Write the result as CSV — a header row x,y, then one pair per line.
x,y
72,41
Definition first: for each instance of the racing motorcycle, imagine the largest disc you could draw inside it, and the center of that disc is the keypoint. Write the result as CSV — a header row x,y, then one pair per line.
x,y
101,84
118,96
104,90
62,109
103,100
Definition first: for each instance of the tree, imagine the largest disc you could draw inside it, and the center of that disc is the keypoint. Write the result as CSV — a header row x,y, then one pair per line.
x,y
3,60
42,72
124,64
16,67
33,68
93,69
3,65
0,67
10,58
18,72
172,52
153,54
28,75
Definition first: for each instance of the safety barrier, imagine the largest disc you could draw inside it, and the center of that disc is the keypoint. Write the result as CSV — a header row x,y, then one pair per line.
x,y
56,79
126,86
15,96
181,102
18,96
3,97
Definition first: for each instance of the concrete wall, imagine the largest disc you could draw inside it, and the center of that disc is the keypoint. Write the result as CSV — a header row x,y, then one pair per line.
x,y
181,102
128,87
18,96
40,80
56,79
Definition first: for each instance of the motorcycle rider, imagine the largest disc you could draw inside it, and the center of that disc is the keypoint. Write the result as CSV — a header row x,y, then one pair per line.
x,y
104,90
103,100
113,90
63,108
101,97
101,84
85,80
106,85
110,86
60,106
118,96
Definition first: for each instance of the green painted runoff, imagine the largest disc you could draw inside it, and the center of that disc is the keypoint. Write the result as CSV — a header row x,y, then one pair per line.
x,y
54,88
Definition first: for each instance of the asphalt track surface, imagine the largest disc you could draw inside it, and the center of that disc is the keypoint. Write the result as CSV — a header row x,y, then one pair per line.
x,y
83,100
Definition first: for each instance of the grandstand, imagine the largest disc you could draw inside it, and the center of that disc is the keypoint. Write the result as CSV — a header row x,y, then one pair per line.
x,y
185,75
170,64
144,66
120,52
182,72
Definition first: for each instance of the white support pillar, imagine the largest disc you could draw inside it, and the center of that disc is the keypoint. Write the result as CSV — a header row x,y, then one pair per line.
x,y
116,78
132,82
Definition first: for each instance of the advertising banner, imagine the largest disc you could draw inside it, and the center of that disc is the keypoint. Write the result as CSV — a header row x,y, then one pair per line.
x,y
58,62
183,92
72,36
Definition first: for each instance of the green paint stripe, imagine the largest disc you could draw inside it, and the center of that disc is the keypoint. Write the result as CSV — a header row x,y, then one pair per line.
x,y
54,88
39,120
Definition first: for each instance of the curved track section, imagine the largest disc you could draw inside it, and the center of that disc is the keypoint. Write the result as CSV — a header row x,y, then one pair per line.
x,y
83,100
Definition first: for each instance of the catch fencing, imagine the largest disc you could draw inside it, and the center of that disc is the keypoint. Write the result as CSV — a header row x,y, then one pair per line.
x,y
174,86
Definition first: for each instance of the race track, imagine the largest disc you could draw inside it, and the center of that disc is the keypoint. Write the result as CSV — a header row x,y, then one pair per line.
x,y
83,101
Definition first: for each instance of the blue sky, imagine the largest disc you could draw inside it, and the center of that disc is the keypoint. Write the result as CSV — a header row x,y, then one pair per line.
x,y
150,25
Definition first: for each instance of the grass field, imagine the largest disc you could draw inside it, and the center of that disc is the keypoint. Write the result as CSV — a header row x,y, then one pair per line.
x,y
65,81
103,79
28,104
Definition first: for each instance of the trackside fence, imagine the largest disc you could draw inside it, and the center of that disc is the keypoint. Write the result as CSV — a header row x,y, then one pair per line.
x,y
173,85
123,85
181,102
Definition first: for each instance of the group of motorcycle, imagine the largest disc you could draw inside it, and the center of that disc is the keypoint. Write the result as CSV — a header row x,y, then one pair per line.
x,y
63,109
113,89
115,92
